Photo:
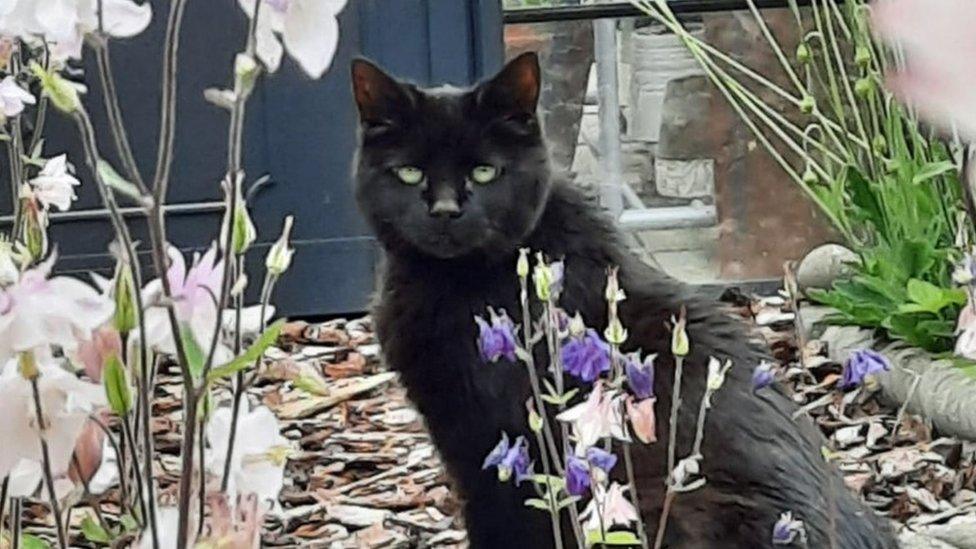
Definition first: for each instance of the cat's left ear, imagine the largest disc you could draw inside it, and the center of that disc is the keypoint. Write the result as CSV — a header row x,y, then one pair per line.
x,y
513,92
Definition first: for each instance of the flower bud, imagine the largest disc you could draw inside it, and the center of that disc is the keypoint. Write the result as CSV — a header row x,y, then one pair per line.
x,y
279,256
716,373
27,365
613,294
125,318
34,235
522,265
535,420
246,71
862,56
807,104
63,93
576,326
680,345
810,177
243,231
803,53
542,279
864,87
615,333
879,144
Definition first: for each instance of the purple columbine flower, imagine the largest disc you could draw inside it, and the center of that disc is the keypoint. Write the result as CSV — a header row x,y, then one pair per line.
x,y
787,530
496,340
763,375
862,364
586,357
640,375
510,459
577,476
601,459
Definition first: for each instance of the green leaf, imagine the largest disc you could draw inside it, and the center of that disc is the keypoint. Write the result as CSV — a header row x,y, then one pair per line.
x,y
94,532
253,353
108,175
566,502
928,297
537,503
27,541
129,523
195,356
557,483
117,386
932,170
594,537
864,197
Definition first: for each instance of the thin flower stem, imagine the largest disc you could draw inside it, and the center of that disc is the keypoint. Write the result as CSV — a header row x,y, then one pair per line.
x,y
240,388
114,111
167,124
663,521
202,499
46,465
673,420
554,514
147,373
700,426
3,499
130,443
120,457
634,500
96,506
15,517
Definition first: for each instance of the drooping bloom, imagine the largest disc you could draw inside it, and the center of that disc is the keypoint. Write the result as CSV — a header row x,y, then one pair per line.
x,y
510,459
642,419
586,357
497,338
680,346
787,530
613,510
577,475
763,375
193,294
863,365
13,98
66,400
37,311
93,353
54,186
601,460
279,255
257,464
309,29
940,49
716,373
640,375
598,417
63,24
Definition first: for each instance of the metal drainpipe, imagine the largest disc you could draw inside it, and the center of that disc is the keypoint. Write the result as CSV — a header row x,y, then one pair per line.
x,y
605,55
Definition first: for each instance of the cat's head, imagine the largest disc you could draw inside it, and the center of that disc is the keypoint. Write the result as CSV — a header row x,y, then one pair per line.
x,y
451,172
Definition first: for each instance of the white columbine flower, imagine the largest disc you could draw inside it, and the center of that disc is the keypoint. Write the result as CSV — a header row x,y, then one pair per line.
x,y
609,507
308,27
257,465
38,311
596,418
66,400
54,186
63,24
13,98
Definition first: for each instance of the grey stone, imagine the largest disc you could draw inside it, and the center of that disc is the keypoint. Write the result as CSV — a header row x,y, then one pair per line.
x,y
685,178
811,319
823,265
684,119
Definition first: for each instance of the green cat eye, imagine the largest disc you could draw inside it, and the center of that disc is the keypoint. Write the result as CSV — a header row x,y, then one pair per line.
x,y
410,175
484,174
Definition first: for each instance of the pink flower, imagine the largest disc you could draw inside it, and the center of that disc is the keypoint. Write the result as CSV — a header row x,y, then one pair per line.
x,y
642,419
93,353
195,293
614,509
54,185
37,311
598,417
940,50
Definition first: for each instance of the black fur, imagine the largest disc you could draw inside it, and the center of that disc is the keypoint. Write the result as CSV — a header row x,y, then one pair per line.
x,y
441,271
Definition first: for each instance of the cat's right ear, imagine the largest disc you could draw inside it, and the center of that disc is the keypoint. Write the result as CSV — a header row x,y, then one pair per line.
x,y
380,98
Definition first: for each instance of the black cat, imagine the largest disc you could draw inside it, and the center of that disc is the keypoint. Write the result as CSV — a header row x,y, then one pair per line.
x,y
453,182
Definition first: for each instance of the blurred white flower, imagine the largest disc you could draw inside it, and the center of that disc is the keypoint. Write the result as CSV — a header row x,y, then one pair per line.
x,y
63,24
608,507
940,50
598,417
308,27
38,311
257,465
54,185
167,527
13,98
66,400
966,331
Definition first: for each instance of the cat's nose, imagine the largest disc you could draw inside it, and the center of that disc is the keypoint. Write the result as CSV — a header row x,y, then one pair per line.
x,y
445,208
